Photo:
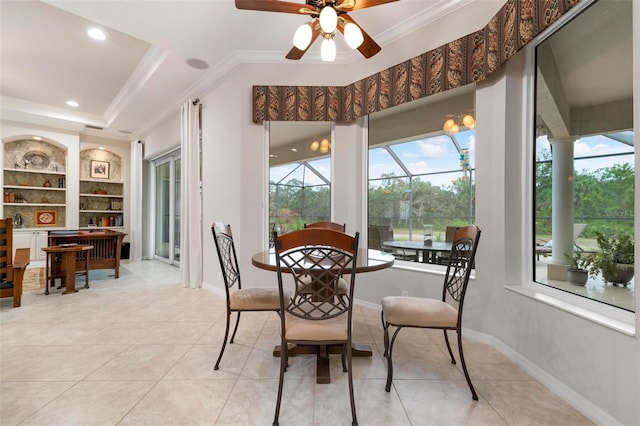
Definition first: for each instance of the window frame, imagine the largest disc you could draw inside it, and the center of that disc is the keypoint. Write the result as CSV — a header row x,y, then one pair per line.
x,y
614,318
406,264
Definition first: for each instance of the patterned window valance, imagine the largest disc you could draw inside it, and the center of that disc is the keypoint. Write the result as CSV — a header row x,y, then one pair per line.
x,y
468,59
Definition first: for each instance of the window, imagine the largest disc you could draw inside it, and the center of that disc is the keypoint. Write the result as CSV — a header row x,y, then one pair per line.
x,y
299,193
420,183
584,149
299,174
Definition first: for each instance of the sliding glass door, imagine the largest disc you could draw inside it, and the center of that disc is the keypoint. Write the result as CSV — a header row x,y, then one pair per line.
x,y
167,208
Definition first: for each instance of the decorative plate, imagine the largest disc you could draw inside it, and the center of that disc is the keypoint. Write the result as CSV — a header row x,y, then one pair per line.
x,y
36,160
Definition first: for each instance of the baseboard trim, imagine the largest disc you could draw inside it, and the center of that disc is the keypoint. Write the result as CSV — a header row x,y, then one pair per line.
x,y
577,401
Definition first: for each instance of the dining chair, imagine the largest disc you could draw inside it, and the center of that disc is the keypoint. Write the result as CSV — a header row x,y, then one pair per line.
x,y
239,299
324,315
341,227
419,312
328,225
11,268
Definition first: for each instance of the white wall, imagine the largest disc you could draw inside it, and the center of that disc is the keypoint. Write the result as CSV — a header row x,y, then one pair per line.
x,y
594,367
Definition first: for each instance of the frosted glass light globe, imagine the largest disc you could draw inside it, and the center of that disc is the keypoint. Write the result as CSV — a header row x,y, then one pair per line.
x,y
353,35
328,19
302,37
328,50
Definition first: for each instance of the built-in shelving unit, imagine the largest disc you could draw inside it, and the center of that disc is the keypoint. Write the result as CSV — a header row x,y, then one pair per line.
x,y
34,184
101,204
101,199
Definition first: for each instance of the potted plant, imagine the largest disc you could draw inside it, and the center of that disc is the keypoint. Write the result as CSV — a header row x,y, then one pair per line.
x,y
578,270
614,258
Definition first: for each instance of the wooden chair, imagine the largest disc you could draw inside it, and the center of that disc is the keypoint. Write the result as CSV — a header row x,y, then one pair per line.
x,y
419,312
11,270
328,225
324,316
239,299
342,284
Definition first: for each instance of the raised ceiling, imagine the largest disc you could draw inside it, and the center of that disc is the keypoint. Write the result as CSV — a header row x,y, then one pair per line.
x,y
139,75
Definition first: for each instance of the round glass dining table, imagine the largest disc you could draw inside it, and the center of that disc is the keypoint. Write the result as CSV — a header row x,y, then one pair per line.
x,y
368,261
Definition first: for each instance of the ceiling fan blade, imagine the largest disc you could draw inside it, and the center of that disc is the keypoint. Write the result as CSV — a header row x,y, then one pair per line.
x,y
349,5
296,53
368,48
271,6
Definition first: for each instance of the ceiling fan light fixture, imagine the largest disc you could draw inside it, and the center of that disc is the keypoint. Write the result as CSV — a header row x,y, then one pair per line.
x,y
328,50
302,37
353,35
328,19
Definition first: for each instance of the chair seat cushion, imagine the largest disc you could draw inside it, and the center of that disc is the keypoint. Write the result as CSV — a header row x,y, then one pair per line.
x,y
300,329
6,284
257,298
418,312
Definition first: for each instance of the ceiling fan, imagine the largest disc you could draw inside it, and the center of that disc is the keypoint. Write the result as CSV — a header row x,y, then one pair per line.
x,y
326,17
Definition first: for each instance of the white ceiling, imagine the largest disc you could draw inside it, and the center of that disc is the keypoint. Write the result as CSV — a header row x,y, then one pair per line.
x,y
139,75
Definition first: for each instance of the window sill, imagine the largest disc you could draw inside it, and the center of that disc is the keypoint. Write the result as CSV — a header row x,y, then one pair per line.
x,y
605,315
423,268
419,267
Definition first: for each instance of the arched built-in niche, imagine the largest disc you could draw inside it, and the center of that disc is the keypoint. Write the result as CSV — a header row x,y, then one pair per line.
x,y
101,201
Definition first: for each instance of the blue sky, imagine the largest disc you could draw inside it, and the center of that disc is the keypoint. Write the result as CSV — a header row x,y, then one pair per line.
x,y
438,153
593,146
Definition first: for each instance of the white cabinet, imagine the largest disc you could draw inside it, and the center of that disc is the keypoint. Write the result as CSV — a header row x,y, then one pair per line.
x,y
33,240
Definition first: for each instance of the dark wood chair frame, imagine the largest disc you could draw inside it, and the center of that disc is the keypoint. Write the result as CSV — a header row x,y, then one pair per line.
x,y
328,225
225,247
461,262
325,255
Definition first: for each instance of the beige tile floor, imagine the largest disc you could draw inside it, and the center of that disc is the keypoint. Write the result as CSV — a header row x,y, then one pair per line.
x,y
140,350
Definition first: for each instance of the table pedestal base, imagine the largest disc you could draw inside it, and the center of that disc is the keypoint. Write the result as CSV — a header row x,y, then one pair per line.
x,y
322,353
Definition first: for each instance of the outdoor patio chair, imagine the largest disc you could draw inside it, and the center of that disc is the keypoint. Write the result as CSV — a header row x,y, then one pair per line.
x,y
544,248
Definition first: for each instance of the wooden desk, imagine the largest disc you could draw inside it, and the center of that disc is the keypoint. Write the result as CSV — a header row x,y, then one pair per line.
x,y
107,247
68,261
368,261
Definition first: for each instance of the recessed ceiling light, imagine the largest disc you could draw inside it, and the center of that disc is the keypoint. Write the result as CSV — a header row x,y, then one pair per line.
x,y
96,34
73,104
294,149
101,147
38,138
198,64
